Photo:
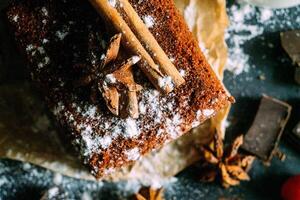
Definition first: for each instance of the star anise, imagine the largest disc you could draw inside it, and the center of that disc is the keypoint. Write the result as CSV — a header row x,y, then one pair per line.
x,y
148,193
231,166
114,81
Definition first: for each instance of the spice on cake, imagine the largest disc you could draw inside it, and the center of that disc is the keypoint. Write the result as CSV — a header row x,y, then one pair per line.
x,y
70,40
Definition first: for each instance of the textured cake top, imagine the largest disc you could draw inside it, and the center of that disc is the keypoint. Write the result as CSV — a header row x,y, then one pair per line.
x,y
63,40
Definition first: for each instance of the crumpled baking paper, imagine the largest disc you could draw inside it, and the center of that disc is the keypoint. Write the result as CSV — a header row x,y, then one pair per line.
x,y
26,132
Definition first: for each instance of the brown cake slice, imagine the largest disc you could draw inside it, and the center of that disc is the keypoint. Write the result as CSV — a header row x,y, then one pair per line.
x,y
66,39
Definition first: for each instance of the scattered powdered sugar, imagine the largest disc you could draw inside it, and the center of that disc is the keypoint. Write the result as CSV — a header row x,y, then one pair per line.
x,y
190,14
89,112
105,142
248,22
52,192
239,32
133,154
182,72
57,178
131,129
149,21
61,34
44,41
173,126
135,59
112,3
15,18
266,14
86,196
196,122
142,108
172,59
29,47
165,82
44,11
110,79
41,50
208,112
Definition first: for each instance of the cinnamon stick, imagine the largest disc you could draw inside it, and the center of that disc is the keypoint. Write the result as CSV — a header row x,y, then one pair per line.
x,y
130,41
146,37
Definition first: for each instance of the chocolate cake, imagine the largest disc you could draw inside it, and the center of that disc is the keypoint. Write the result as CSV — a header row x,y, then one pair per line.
x,y
65,39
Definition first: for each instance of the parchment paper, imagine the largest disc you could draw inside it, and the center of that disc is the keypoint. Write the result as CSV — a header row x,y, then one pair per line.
x,y
26,132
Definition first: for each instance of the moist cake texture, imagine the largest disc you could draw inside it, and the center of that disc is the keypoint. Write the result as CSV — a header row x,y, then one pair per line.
x,y
63,39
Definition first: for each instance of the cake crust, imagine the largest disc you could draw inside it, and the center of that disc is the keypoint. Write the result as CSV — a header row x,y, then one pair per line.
x,y
63,39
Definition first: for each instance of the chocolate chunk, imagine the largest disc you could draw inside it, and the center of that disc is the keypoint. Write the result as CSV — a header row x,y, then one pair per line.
x,y
264,135
291,43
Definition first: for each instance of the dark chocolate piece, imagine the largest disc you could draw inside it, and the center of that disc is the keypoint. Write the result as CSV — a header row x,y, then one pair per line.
x,y
264,135
290,41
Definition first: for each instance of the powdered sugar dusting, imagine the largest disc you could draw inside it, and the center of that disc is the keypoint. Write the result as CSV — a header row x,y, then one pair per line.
x,y
208,112
165,82
196,122
112,3
52,192
131,129
248,22
190,14
149,21
237,35
109,78
133,154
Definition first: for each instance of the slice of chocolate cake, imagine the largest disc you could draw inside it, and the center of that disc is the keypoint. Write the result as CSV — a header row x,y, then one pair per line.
x,y
65,40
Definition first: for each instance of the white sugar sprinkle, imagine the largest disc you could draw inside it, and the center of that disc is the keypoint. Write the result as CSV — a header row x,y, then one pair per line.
x,y
15,18
41,50
190,14
208,112
133,154
44,11
165,82
52,192
266,14
149,21
105,142
112,3
110,78
131,129
135,59
182,72
45,41
61,34
29,47
57,179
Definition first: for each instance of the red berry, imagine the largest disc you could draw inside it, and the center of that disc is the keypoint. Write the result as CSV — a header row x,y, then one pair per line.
x,y
291,189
